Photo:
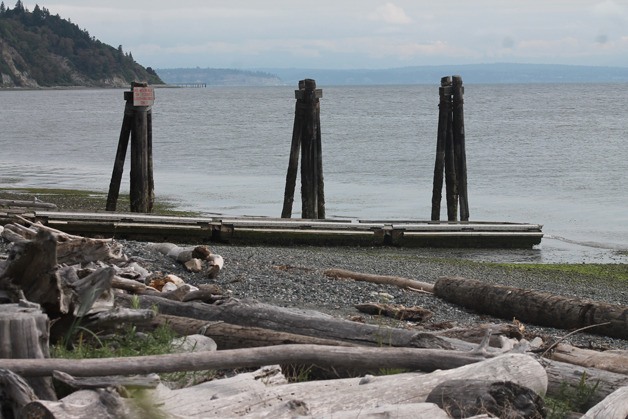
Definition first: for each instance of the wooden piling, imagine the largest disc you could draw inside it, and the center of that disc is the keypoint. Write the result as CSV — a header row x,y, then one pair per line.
x,y
459,144
309,155
450,173
450,152
123,144
306,139
137,124
139,193
293,164
444,109
319,169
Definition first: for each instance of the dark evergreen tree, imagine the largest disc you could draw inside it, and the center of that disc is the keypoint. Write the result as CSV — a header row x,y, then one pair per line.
x,y
3,8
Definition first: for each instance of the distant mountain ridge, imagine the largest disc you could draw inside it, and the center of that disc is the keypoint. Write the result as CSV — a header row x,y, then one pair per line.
x,y
471,73
218,77
38,49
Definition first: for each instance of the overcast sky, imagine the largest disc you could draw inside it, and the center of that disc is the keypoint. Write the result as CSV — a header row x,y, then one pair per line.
x,y
354,34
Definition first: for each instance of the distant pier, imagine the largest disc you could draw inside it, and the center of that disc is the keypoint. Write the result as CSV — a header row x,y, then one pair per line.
x,y
189,84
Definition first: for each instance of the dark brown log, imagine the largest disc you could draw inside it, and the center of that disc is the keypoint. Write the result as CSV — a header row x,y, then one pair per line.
x,y
123,144
321,355
414,314
535,307
459,146
502,399
405,283
301,322
231,336
444,110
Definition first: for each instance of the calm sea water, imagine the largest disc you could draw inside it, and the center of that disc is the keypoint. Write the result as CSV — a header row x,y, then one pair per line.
x,y
549,154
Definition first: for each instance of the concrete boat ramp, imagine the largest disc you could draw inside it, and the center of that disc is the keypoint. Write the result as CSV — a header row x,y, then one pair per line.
x,y
278,231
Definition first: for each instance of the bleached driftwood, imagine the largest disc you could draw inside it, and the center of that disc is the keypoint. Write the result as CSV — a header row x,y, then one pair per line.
x,y
101,403
349,357
26,204
333,397
405,283
615,406
133,382
615,361
498,331
297,321
71,249
214,263
561,374
231,336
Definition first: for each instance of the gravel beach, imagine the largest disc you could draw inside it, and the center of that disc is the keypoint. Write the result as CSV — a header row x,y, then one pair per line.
x,y
293,277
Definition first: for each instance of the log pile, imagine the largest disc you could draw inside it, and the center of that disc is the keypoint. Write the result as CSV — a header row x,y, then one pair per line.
x,y
50,276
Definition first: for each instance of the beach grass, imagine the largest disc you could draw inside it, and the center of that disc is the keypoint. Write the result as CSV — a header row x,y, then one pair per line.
x,y
608,272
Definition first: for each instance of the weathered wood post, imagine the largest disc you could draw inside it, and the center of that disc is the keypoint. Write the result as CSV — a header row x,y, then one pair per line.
x,y
444,110
138,123
450,152
123,144
459,146
306,138
293,164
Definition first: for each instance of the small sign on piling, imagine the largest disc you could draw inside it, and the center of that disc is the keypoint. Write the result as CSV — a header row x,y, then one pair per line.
x,y
143,96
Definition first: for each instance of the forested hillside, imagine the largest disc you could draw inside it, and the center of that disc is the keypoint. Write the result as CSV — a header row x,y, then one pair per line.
x,y
38,49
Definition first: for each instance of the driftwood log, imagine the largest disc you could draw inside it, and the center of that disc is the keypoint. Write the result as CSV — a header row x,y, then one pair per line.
x,y
614,406
413,314
614,360
97,404
405,283
232,336
502,399
26,204
535,307
561,374
15,393
71,249
349,357
297,321
331,398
